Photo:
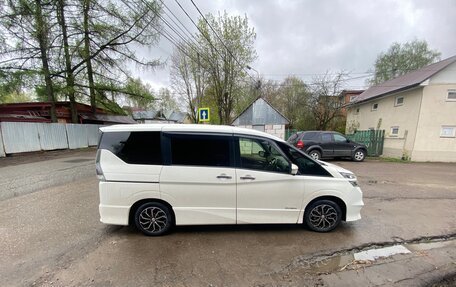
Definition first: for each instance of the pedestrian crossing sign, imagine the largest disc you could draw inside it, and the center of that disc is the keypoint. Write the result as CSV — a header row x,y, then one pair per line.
x,y
203,115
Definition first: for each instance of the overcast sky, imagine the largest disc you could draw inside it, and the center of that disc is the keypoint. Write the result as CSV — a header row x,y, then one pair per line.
x,y
305,38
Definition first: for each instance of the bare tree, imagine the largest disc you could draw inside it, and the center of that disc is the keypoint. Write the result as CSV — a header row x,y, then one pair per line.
x,y
324,102
188,78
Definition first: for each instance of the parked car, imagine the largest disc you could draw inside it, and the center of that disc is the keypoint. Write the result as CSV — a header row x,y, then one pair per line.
x,y
327,144
157,176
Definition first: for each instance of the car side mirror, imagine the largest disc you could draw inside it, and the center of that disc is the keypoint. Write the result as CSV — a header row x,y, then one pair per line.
x,y
348,140
262,153
294,169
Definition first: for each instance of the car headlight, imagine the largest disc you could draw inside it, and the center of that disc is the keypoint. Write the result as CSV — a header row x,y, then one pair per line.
x,y
348,175
351,178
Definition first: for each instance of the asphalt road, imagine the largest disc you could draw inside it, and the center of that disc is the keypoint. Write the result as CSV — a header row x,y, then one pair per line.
x,y
53,237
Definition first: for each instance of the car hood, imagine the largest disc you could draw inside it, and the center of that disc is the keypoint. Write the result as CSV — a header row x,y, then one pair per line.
x,y
333,167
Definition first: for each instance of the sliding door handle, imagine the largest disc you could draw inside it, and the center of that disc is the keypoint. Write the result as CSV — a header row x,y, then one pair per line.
x,y
224,176
248,177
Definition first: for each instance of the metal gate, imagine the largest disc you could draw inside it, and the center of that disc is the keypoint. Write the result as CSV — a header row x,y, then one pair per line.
x,y
373,139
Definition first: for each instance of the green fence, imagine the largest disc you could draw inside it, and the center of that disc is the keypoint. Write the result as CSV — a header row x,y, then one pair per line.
x,y
373,139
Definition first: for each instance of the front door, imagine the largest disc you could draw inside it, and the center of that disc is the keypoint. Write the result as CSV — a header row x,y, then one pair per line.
x,y
327,144
341,146
267,192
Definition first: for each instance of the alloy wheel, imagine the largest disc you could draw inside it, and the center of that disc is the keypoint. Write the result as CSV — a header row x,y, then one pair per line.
x,y
153,219
323,217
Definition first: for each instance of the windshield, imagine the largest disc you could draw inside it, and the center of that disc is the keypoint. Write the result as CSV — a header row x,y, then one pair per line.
x,y
306,165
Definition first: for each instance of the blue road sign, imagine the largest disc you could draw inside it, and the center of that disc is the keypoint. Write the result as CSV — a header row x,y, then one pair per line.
x,y
203,115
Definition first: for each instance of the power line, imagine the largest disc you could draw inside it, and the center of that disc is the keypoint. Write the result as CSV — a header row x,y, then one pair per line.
x,y
220,39
208,40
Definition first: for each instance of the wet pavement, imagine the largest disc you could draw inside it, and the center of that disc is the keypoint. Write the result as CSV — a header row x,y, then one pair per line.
x,y
53,237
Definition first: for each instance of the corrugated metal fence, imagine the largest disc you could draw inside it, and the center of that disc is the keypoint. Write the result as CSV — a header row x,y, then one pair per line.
x,y
27,137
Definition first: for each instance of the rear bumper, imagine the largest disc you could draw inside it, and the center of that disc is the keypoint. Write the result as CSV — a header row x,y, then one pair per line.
x,y
116,215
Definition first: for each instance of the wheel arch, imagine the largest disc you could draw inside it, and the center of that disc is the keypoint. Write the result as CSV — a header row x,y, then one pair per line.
x,y
134,207
314,147
360,148
336,199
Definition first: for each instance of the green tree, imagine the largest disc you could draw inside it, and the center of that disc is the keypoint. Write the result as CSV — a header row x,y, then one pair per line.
x,y
401,59
212,72
226,48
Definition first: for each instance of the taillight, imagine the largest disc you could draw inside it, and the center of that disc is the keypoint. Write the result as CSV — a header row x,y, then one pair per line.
x,y
98,169
300,144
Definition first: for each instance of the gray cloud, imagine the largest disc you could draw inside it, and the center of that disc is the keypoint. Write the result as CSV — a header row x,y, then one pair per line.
x,y
311,37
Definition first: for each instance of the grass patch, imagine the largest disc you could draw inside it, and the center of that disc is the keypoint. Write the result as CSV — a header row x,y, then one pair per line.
x,y
389,159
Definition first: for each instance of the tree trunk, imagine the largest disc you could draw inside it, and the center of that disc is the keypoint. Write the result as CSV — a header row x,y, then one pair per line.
x,y
69,72
93,102
42,37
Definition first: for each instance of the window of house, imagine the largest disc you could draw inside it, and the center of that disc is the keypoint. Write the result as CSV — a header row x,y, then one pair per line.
x,y
357,110
394,131
200,150
374,107
352,98
399,101
448,132
451,95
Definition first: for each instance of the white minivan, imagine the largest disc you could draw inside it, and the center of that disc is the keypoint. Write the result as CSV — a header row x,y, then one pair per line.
x,y
156,176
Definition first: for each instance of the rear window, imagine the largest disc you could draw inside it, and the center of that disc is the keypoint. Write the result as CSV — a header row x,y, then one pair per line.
x,y
134,147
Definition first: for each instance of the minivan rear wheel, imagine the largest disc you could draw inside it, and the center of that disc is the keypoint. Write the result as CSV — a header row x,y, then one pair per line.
x,y
153,219
322,215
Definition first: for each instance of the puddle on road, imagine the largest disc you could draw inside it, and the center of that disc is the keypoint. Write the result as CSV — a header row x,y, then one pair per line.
x,y
356,260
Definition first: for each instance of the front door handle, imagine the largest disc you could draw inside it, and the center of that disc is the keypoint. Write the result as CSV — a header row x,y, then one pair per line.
x,y
248,177
224,176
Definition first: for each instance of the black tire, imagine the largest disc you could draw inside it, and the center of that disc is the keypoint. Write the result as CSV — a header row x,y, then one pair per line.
x,y
359,155
153,219
322,216
315,154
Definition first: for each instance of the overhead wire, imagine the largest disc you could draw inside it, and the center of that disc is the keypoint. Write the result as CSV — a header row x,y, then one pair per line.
x,y
220,39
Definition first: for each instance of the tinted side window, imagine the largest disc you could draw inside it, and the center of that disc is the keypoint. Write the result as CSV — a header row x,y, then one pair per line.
x,y
326,138
339,138
200,150
309,135
134,147
305,164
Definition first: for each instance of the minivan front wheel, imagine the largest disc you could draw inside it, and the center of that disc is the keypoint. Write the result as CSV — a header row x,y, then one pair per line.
x,y
322,216
153,218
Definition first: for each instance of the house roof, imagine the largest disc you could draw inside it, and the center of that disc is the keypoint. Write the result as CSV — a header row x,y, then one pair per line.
x,y
145,115
108,118
175,116
260,112
404,82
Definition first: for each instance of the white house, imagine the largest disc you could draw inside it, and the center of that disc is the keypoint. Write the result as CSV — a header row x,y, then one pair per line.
x,y
417,111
